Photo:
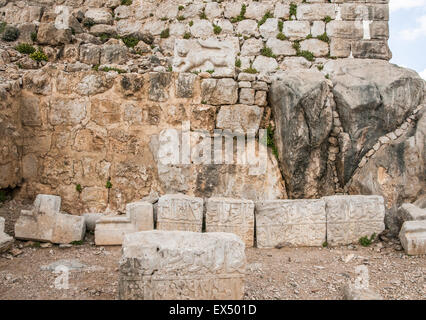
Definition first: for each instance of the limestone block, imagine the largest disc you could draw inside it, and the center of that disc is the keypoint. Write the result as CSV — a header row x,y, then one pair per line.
x,y
352,292
44,222
213,10
231,215
282,11
317,47
99,15
280,47
371,49
317,28
247,27
409,212
251,47
203,55
340,48
239,118
219,91
345,29
111,230
265,64
413,237
290,223
351,217
296,29
6,241
90,54
316,11
185,85
202,29
179,212
256,10
269,28
163,265
49,35
113,54
247,96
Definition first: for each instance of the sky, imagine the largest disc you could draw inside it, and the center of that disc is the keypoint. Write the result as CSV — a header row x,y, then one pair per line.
x,y
408,34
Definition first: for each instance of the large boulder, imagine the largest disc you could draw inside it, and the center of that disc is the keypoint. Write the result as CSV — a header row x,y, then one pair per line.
x,y
372,98
301,104
48,34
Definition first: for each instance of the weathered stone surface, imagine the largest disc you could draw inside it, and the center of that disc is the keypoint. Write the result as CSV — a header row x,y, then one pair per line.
x,y
203,55
44,222
371,49
351,292
239,118
413,237
351,217
303,119
48,34
113,54
269,28
296,29
265,64
6,241
251,47
365,99
99,15
90,54
280,47
317,47
185,85
181,265
202,29
111,230
410,212
231,215
290,223
179,212
219,91
90,220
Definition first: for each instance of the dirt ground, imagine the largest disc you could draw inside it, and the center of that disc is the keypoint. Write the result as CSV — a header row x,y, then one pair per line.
x,y
287,273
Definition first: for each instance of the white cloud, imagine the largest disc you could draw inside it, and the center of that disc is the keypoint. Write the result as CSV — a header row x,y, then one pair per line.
x,y
416,32
423,74
406,4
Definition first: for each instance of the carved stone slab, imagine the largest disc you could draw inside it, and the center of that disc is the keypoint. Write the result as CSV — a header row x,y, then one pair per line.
x,y
111,230
351,217
290,223
180,212
46,223
206,54
159,265
413,237
231,215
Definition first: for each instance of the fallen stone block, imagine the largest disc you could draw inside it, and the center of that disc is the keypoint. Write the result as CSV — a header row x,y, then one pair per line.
x,y
163,265
180,212
233,216
111,230
410,212
6,241
350,218
351,292
44,222
290,223
413,237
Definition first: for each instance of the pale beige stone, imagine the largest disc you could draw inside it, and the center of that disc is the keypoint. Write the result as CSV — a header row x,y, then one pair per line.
x,y
111,230
6,241
179,212
231,215
350,218
44,222
290,223
158,265
413,237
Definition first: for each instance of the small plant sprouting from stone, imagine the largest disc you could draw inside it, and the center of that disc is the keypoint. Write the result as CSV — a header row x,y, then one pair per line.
x,y
25,48
366,241
307,55
77,243
191,23
38,56
130,42
238,63
250,70
180,8
327,76
293,10
2,196
320,67
203,15
180,18
203,102
325,244
10,33
33,36
267,52
108,69
187,35
324,37
281,36
327,19
108,184
170,68
164,19
309,36
2,26
36,244
165,33
270,141
88,22
280,25
126,2
216,29
241,16
79,188
210,71
296,46
265,17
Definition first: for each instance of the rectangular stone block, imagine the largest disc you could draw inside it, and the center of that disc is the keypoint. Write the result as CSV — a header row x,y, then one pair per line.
x,y
351,217
163,265
371,49
345,29
296,29
231,215
111,230
180,212
6,241
44,222
413,237
290,223
317,11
